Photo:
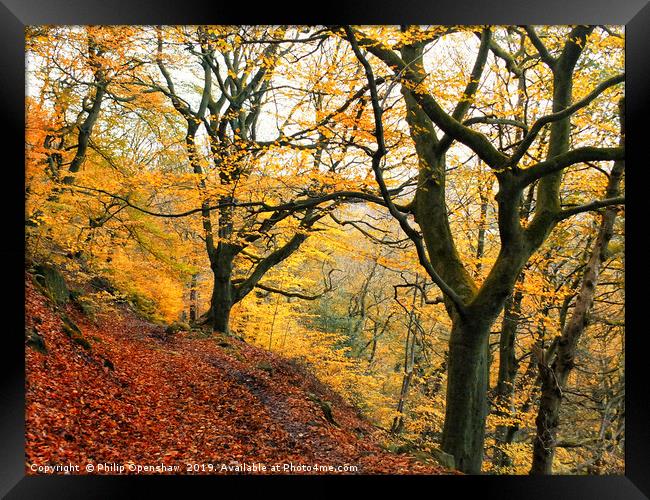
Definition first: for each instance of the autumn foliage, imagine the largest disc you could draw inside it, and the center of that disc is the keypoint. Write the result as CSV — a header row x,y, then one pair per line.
x,y
133,393
273,238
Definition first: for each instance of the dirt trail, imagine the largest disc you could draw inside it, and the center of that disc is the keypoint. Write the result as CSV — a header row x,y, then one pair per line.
x,y
127,395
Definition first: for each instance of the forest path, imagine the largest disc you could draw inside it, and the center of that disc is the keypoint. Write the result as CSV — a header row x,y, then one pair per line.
x,y
126,394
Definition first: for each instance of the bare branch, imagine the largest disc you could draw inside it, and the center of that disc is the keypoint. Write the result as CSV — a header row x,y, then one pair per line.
x,y
298,295
295,205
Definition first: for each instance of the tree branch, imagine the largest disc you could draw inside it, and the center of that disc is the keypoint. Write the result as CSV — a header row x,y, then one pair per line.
x,y
472,86
559,162
543,52
275,258
286,293
472,139
594,205
295,205
537,126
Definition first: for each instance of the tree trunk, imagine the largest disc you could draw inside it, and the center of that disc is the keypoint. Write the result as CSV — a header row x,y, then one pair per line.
x,y
409,362
193,299
398,421
505,387
222,290
221,306
555,371
547,422
466,408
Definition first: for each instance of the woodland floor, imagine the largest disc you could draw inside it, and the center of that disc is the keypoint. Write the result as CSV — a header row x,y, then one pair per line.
x,y
134,396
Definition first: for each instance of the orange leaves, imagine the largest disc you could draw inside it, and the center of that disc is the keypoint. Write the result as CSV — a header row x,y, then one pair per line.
x,y
183,401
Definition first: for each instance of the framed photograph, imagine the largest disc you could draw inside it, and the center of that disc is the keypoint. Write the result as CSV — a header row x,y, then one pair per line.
x,y
261,246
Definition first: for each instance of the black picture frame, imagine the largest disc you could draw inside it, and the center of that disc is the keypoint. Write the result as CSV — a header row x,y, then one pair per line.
x,y
16,14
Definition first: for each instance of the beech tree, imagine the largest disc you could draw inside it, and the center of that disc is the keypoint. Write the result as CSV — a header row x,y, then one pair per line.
x,y
473,308
230,120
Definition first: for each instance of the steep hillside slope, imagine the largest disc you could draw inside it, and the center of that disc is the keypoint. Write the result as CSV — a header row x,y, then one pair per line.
x,y
118,391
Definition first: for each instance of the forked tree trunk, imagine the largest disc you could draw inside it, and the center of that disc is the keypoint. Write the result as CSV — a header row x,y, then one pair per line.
x,y
467,384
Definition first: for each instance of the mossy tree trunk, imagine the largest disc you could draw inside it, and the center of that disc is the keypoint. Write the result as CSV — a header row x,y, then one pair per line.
x,y
466,402
222,292
473,309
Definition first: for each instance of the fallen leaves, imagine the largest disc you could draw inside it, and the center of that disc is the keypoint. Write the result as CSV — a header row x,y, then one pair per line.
x,y
172,404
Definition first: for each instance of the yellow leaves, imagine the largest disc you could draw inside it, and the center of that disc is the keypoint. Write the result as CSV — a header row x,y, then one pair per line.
x,y
601,41
139,153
